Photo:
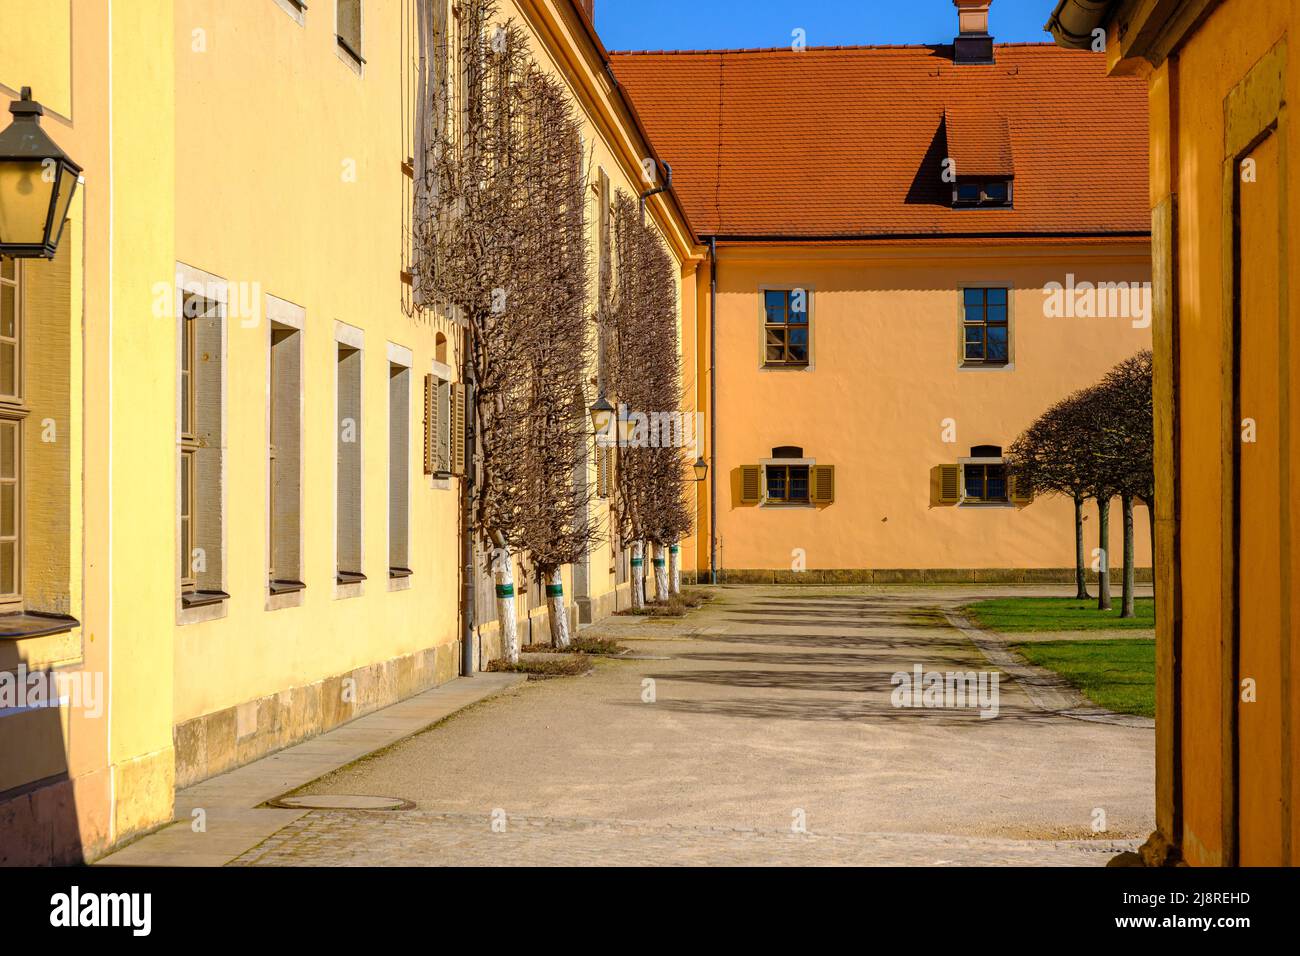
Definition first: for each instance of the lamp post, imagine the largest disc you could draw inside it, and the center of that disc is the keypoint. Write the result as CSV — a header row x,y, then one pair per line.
x,y
37,180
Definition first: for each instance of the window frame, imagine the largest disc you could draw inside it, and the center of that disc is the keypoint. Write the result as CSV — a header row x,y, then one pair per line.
x,y
788,289
286,318
195,604
765,498
352,56
13,412
963,323
984,463
16,340
399,357
348,582
985,201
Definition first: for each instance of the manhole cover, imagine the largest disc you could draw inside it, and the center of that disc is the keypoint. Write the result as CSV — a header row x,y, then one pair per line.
x,y
342,801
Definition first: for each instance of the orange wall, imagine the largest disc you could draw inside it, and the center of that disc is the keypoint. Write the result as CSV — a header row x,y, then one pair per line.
x,y
1212,62
885,375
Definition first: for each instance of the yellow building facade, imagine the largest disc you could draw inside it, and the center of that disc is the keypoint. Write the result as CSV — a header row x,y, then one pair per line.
x,y
914,252
239,521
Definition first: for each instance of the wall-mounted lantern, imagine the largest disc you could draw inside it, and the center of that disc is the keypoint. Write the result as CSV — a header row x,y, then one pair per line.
x,y
37,180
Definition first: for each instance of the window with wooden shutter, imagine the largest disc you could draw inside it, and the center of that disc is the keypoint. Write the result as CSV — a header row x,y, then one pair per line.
x,y
823,484
442,401
949,484
430,423
751,491
458,429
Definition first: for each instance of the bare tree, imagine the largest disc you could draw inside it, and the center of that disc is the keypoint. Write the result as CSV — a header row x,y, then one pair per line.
x,y
649,508
1125,451
502,227
1050,457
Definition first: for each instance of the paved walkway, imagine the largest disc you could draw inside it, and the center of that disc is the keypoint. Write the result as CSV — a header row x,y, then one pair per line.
x,y
768,709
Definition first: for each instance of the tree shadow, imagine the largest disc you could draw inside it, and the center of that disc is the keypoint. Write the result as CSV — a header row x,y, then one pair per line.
x,y
850,711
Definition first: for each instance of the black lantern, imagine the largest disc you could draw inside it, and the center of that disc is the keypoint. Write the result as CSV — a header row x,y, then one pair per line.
x,y
602,416
701,469
37,180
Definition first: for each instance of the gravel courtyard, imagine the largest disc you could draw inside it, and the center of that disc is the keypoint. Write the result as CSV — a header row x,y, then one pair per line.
x,y
759,729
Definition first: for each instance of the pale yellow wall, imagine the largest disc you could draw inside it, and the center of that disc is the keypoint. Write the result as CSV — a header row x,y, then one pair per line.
x,y
885,376
288,176
36,51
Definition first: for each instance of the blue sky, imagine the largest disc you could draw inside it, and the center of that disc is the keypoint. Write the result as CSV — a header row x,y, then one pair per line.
x,y
710,24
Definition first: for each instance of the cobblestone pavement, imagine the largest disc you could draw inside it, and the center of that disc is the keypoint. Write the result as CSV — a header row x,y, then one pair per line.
x,y
383,838
769,705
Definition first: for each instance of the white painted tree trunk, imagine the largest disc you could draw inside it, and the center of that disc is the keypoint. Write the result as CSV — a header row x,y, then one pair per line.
x,y
638,579
661,572
505,582
558,613
675,568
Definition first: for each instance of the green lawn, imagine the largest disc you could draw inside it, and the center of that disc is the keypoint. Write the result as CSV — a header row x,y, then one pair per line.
x,y
1119,675
1010,615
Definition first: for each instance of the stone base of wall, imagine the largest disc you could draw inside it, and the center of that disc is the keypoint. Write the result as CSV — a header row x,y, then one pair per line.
x,y
912,576
214,743
65,821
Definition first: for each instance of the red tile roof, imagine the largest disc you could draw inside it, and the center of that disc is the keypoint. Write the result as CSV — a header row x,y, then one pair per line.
x,y
841,142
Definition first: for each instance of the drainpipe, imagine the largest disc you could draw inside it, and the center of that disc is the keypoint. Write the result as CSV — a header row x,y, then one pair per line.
x,y
713,410
668,184
1073,21
467,544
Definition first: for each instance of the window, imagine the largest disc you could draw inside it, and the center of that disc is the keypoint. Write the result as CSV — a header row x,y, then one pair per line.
x,y
297,9
986,482
984,475
985,328
348,28
992,192
284,560
785,328
37,322
787,483
399,444
348,482
201,396
437,425
11,432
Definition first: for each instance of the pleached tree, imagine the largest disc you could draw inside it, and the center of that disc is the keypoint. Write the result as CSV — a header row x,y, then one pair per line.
x,y
1049,457
649,508
502,226
1125,452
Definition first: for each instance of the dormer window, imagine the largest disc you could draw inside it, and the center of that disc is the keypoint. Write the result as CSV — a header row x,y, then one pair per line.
x,y
986,192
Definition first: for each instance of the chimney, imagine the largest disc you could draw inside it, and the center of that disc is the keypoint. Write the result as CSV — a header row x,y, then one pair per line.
x,y
973,44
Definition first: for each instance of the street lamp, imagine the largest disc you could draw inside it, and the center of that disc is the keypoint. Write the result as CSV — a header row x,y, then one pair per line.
x,y
602,415
701,468
37,180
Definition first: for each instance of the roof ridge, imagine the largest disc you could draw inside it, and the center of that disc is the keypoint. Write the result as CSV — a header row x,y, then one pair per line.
x,y
847,47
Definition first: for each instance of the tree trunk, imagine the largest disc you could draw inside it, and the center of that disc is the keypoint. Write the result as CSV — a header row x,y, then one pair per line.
x,y
661,573
1103,544
675,569
1126,602
556,610
638,579
505,582
1080,565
